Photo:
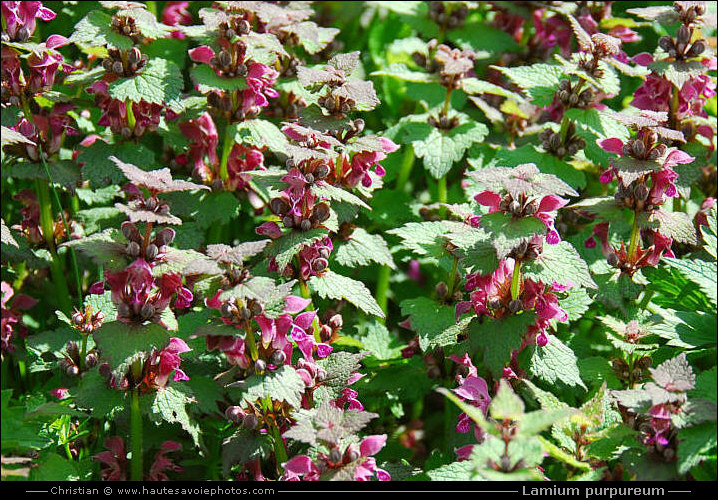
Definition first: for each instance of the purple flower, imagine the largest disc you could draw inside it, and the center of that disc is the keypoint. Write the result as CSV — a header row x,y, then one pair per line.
x,y
113,463
203,137
474,390
162,463
176,13
20,18
169,362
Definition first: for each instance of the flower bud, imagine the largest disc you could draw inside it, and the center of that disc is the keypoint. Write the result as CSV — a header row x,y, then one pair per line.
x,y
227,310
250,421
359,125
330,103
515,306
150,203
309,178
241,70
234,414
515,207
351,454
641,192
106,64
627,149
684,34
260,366
165,237
118,68
133,249
123,310
495,303
321,375
612,259
321,171
325,333
666,43
151,251
335,456
698,47
224,58
531,208
639,149
288,221
91,360
320,265
554,141
573,100
72,370
278,358
147,311
442,290
245,313
564,85
305,225
320,213
243,27
126,132
23,34
78,318
279,206
134,55
255,307
336,322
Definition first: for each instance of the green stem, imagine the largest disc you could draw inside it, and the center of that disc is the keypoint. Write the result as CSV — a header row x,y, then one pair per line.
x,y
135,436
280,453
68,453
131,120
48,230
382,288
447,99
407,164
304,289
451,283
442,195
73,255
249,339
516,281
83,352
635,237
226,149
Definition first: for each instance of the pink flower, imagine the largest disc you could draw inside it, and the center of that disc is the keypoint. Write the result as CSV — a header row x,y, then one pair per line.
x,y
169,362
301,467
113,463
61,393
363,161
45,62
654,94
701,216
242,159
176,13
539,296
20,18
548,204
161,463
660,424
202,134
12,316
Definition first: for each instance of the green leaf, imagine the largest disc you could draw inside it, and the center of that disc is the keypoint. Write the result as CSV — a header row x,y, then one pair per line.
x,y
699,272
440,149
540,81
243,446
160,82
361,249
217,209
335,286
563,172
709,233
340,366
284,384
100,171
285,248
428,319
121,343
423,238
560,263
498,338
475,86
380,342
329,192
560,455
204,76
105,248
95,30
556,362
16,434
696,443
675,225
401,72
261,133
169,405
94,393
7,237
507,232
